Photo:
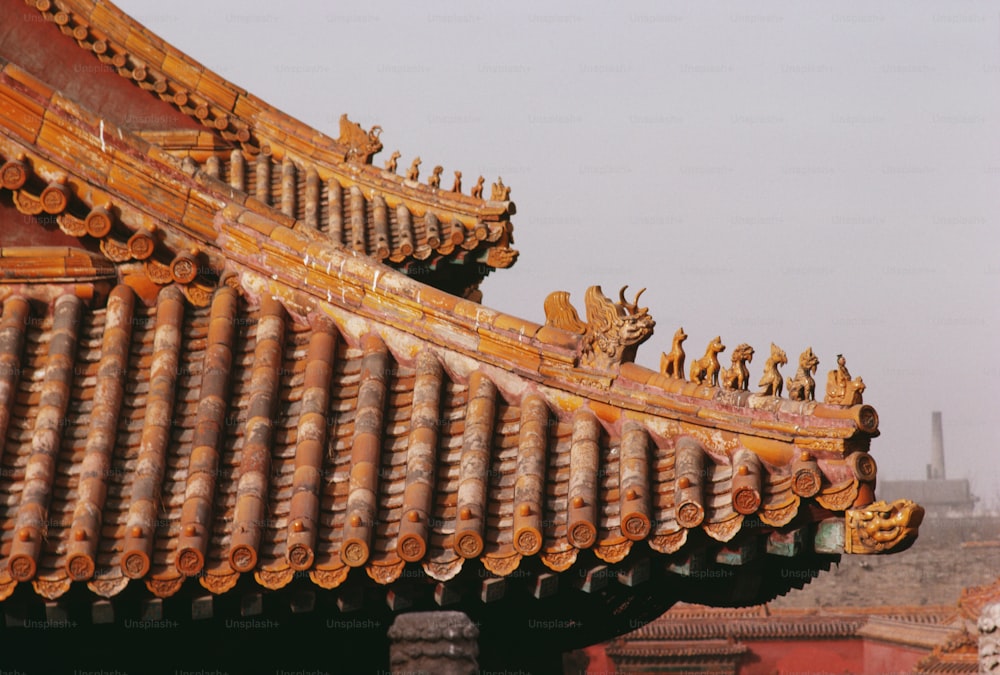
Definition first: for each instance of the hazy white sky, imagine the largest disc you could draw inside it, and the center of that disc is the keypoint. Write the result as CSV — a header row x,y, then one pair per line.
x,y
821,174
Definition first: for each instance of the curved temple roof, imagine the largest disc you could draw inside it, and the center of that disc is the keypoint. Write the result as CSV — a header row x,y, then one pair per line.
x,y
323,184
205,387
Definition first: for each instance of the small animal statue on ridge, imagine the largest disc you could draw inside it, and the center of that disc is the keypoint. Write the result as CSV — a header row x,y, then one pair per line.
x,y
802,387
707,367
413,173
500,192
457,185
391,163
672,364
434,180
738,376
771,381
477,189
840,388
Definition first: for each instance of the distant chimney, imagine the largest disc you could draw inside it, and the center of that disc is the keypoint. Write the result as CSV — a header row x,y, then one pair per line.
x,y
937,448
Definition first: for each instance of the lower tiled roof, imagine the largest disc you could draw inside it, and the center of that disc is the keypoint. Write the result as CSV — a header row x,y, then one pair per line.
x,y
157,443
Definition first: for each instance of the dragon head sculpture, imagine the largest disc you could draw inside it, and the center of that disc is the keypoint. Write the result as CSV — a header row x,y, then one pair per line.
x,y
614,329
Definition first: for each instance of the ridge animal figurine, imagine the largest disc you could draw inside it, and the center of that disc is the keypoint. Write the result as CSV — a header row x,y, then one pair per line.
x,y
672,364
413,173
738,376
392,162
802,387
771,381
840,388
707,367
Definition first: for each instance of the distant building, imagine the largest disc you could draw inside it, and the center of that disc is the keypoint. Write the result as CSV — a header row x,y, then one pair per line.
x,y
764,641
941,498
939,495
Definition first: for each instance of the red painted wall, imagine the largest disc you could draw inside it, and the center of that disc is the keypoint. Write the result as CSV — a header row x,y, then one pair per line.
x,y
847,656
882,658
18,229
39,47
798,657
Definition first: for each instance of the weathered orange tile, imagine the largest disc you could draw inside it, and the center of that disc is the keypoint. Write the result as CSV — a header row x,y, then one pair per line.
x,y
557,337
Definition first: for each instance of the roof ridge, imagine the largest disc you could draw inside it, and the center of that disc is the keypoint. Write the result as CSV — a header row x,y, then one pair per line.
x,y
237,115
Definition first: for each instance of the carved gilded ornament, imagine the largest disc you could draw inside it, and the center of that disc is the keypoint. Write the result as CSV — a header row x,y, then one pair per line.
x,y
413,173
274,579
434,180
672,364
802,387
477,189
737,377
392,163
559,561
499,192
559,313
771,382
613,553
360,144
779,515
670,542
707,367
840,388
613,330
385,574
882,527
502,566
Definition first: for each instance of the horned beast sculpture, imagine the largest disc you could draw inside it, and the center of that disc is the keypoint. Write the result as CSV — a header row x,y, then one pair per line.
x,y
613,330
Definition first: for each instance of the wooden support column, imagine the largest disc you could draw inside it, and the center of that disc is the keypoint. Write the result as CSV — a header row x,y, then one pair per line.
x,y
103,435
13,323
584,458
404,225
359,212
746,482
335,211
237,171
474,466
310,447
689,481
141,521
529,486
366,448
380,218
209,432
421,458
288,187
255,461
633,481
311,211
31,521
